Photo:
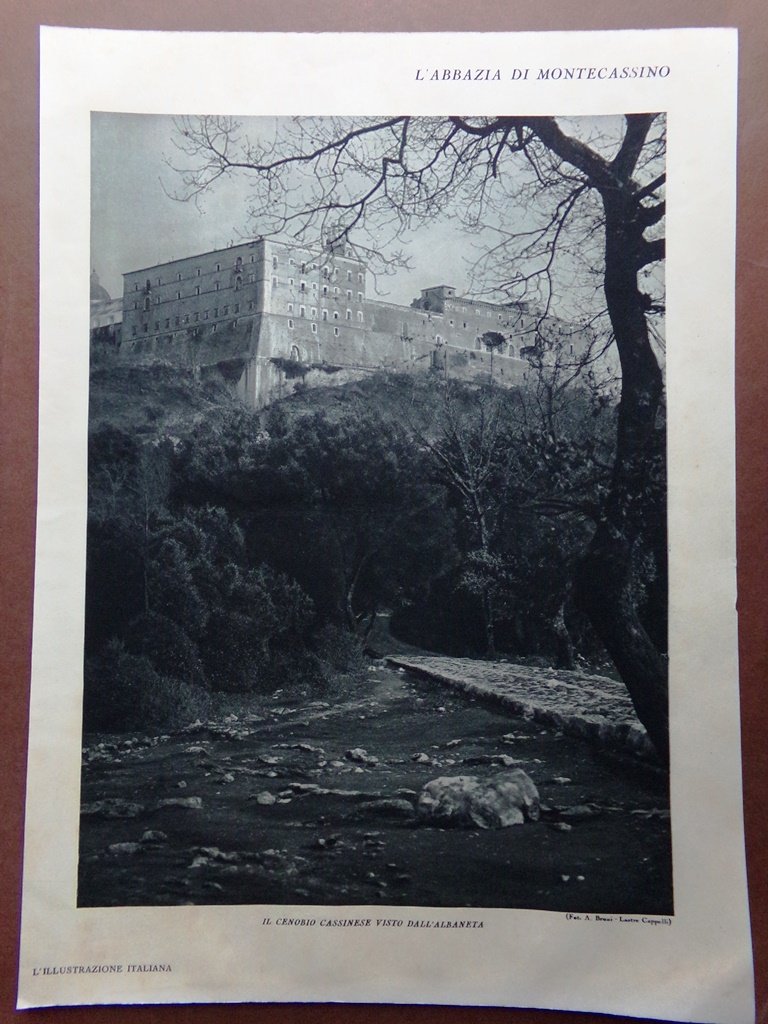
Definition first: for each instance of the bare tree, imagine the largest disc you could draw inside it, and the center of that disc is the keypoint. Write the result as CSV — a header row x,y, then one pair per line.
x,y
598,199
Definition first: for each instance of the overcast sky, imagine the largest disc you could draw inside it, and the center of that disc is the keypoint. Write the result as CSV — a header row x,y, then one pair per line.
x,y
134,223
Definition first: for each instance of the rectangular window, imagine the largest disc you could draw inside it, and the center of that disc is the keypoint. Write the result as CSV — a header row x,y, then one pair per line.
x,y
349,314
250,305
167,322
146,328
290,324
325,314
290,307
216,312
360,298
178,277
360,278
217,286
349,275
237,307
197,289
360,316
176,321
218,267
303,286
325,289
291,281
226,310
135,305
274,282
335,332
349,293
198,271
302,310
313,313
157,325
214,328
134,332
314,328
205,315
197,317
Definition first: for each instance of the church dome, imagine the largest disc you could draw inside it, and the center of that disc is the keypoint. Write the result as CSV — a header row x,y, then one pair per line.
x,y
98,292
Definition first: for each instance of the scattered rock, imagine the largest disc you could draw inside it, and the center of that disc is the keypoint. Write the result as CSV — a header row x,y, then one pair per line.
x,y
561,780
265,798
465,800
501,759
388,808
182,784
154,837
360,756
111,808
453,743
560,826
124,848
653,812
421,758
306,748
191,803
580,812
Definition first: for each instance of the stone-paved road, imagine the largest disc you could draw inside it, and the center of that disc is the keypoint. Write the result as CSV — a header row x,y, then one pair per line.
x,y
313,805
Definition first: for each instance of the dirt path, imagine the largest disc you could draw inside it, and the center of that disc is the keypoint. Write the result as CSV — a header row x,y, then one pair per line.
x,y
314,805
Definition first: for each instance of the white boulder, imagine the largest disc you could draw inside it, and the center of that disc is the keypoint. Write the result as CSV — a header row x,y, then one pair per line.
x,y
509,798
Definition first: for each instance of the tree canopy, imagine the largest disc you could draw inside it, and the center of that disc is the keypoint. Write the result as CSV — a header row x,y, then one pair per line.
x,y
571,200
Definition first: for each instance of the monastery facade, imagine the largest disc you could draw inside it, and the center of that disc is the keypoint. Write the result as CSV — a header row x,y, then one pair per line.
x,y
272,316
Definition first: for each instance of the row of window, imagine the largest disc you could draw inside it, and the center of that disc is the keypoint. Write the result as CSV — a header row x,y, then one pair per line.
x,y
313,326
238,266
148,302
307,268
178,321
335,315
326,288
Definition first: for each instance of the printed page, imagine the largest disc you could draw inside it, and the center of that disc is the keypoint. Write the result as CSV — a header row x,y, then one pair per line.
x,y
385,583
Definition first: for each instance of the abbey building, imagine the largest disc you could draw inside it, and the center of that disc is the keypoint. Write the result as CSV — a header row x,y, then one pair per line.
x,y
272,316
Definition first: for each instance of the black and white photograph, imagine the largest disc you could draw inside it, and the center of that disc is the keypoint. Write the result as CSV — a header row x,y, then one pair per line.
x,y
376,585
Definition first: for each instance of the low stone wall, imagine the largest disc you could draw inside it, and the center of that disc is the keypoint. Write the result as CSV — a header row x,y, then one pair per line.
x,y
592,707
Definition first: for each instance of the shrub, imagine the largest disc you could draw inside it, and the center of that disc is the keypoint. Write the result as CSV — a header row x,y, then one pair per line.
x,y
125,693
167,646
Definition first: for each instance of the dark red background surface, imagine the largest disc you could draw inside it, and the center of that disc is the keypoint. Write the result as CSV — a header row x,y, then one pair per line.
x,y
19,22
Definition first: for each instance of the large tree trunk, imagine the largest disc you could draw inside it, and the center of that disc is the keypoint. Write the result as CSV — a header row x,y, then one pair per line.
x,y
604,575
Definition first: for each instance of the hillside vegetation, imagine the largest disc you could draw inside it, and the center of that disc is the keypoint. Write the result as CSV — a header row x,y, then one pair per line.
x,y
235,552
